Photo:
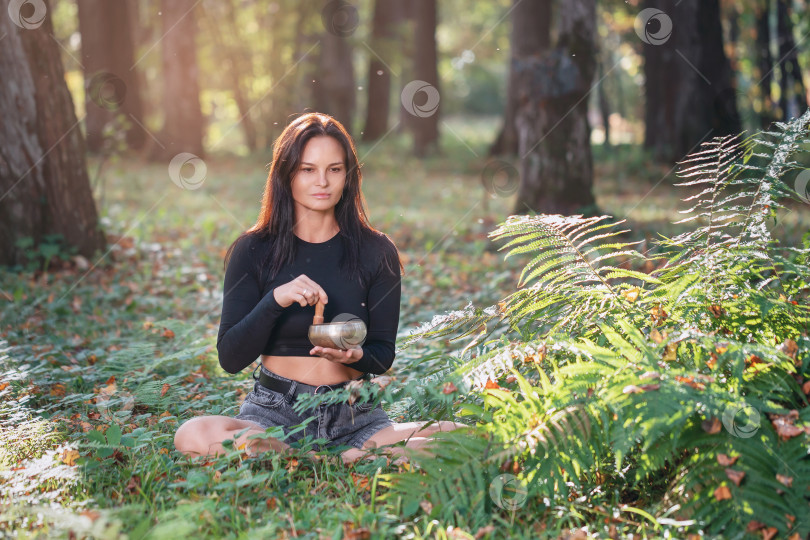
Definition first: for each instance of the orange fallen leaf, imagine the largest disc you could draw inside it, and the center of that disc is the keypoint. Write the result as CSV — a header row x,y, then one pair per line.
x,y
712,425
769,533
631,295
58,390
167,333
449,388
91,514
789,347
69,457
725,460
164,389
491,384
691,382
787,481
722,493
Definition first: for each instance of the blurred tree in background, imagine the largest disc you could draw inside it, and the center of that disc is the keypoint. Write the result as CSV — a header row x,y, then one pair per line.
x,y
164,77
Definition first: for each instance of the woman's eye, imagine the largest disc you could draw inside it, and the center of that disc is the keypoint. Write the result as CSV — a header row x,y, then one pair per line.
x,y
336,169
307,169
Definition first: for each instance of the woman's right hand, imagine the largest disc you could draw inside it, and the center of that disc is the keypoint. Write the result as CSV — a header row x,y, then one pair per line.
x,y
302,290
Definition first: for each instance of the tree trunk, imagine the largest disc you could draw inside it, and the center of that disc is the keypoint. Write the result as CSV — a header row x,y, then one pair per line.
x,y
44,188
379,76
764,62
422,101
556,167
336,87
690,91
111,84
183,121
793,99
531,34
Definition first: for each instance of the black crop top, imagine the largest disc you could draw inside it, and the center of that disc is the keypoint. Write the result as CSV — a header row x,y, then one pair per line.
x,y
253,323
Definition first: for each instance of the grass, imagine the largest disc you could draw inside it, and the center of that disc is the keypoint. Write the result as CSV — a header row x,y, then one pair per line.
x,y
102,359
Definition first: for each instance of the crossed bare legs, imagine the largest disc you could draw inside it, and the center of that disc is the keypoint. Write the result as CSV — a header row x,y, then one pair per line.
x,y
203,436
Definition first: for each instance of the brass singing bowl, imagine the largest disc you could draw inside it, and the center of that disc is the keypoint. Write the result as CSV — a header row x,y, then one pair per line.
x,y
338,335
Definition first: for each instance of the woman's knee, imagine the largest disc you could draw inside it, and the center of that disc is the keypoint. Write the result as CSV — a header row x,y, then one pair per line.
x,y
186,438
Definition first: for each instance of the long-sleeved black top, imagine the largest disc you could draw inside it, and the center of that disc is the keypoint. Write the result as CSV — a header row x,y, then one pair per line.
x,y
253,323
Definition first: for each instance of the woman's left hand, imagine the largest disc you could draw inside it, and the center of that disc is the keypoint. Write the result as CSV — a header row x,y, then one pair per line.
x,y
339,356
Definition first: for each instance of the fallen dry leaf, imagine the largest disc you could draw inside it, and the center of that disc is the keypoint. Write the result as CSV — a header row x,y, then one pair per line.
x,y
722,493
631,295
725,460
449,388
164,389
633,389
712,425
735,476
787,481
69,457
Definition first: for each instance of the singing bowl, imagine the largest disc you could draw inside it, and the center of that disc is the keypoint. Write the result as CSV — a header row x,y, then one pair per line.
x,y
338,335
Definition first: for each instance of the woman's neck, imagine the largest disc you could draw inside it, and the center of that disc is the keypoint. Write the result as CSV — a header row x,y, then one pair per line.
x,y
315,229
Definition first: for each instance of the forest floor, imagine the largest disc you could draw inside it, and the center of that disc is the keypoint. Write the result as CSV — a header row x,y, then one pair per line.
x,y
103,359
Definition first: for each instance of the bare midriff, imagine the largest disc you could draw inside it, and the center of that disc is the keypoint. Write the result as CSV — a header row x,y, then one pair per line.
x,y
309,370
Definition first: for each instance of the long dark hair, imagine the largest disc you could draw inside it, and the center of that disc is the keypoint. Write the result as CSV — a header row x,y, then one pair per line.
x,y
277,213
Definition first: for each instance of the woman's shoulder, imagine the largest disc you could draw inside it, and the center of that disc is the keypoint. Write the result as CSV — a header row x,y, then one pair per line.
x,y
380,243
383,250
247,247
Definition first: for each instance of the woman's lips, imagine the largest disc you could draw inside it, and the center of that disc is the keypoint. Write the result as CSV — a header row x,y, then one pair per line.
x,y
321,195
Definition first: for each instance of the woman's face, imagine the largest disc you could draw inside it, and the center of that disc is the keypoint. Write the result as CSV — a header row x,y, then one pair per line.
x,y
321,175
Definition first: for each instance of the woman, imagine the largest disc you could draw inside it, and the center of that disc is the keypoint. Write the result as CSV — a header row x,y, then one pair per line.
x,y
312,242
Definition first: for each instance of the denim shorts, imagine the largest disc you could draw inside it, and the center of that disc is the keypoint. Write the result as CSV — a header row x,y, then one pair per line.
x,y
340,423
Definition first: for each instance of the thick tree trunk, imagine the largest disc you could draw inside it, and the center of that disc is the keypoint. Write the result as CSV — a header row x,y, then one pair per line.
x,y
556,167
183,121
531,33
764,62
424,124
44,189
386,15
690,91
336,89
111,83
793,99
